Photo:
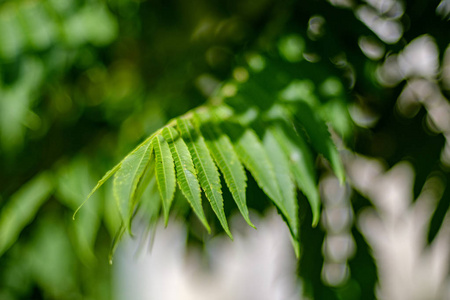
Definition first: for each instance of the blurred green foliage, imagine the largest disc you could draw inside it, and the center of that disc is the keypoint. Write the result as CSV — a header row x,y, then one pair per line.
x,y
82,82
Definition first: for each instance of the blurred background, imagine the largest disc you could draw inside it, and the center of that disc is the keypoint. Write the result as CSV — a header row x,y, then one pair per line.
x,y
82,82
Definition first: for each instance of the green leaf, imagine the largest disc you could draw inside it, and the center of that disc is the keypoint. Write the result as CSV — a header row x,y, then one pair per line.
x,y
73,179
288,201
207,172
165,174
226,159
150,204
254,156
149,196
186,173
301,164
127,178
110,173
317,131
22,208
99,184
145,180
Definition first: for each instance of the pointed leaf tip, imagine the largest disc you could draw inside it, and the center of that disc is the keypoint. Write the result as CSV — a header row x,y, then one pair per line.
x,y
287,203
165,174
208,174
186,173
226,159
301,164
127,178
316,219
98,185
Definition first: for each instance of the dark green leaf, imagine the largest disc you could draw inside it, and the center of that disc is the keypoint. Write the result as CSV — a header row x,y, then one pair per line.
x,y
301,164
316,129
22,208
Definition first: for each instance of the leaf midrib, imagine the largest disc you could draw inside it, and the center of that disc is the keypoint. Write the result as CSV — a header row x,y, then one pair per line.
x,y
181,164
166,182
134,185
223,158
200,161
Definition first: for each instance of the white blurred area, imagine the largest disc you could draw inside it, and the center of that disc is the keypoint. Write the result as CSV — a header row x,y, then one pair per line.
x,y
396,229
418,64
443,9
259,264
383,18
337,221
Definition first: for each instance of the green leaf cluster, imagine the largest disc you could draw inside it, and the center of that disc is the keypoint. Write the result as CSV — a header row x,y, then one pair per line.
x,y
276,141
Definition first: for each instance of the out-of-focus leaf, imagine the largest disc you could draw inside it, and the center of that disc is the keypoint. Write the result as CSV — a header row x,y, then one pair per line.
x,y
301,164
92,23
288,204
51,258
38,27
336,112
74,179
316,129
16,101
115,242
291,48
22,208
10,34
112,217
150,202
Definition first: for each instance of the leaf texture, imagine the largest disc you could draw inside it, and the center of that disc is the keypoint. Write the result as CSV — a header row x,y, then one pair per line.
x,y
208,174
110,173
165,174
186,173
226,159
253,155
127,178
